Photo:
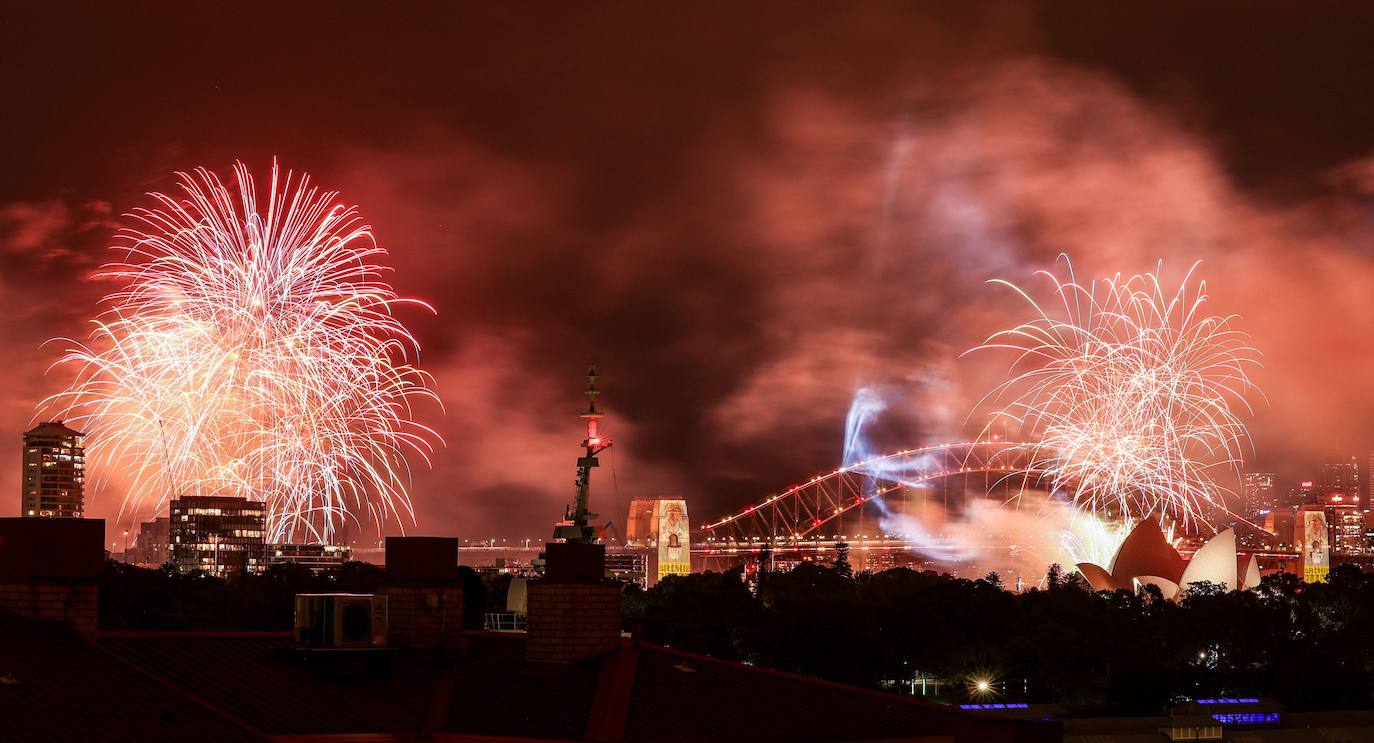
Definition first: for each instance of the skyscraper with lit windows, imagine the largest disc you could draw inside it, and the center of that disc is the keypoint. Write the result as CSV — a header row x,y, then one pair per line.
x,y
54,472
1260,494
1369,476
1341,478
218,534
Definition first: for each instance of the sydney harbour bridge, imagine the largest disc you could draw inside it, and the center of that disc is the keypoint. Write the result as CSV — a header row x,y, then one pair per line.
x,y
887,506
892,511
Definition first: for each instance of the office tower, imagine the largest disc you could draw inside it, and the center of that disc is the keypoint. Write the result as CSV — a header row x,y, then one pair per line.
x,y
1304,494
1345,522
218,534
1260,494
1340,477
54,472
1369,476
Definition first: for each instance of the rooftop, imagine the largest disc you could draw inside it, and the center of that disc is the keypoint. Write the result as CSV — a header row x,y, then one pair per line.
x,y
246,686
52,428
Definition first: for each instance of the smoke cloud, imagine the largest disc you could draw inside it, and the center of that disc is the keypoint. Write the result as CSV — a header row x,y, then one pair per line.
x,y
741,237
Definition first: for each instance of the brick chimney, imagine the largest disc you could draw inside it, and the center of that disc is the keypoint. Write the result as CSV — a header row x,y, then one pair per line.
x,y
50,569
574,611
424,595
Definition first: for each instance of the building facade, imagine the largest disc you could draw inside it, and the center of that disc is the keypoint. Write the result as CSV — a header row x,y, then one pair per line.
x,y
629,566
218,534
1345,521
1260,494
150,549
1305,494
1369,477
1340,477
1281,524
659,525
317,557
54,472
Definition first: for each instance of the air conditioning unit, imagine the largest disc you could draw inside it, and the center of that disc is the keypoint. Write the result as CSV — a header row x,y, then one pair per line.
x,y
340,620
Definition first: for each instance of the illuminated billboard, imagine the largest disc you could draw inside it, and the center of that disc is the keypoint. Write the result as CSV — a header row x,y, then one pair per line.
x,y
1312,539
674,541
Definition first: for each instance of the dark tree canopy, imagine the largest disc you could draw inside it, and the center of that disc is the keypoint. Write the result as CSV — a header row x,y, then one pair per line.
x,y
1306,645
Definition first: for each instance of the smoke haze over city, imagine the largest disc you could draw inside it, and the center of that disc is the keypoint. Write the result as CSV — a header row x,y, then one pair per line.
x,y
742,218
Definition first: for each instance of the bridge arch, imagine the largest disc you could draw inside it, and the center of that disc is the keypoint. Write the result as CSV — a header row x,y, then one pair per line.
x,y
802,510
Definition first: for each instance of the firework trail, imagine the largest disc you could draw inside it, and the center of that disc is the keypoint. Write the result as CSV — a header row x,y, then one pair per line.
x,y
1130,392
252,352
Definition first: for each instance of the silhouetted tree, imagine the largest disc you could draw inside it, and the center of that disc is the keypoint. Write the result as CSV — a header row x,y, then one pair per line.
x,y
841,564
1054,577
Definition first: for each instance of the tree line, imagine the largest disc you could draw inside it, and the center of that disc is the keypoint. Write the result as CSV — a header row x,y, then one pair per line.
x,y
1308,646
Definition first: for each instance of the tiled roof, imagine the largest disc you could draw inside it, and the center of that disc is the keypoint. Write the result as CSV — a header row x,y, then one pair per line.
x,y
203,686
258,679
56,686
492,695
673,692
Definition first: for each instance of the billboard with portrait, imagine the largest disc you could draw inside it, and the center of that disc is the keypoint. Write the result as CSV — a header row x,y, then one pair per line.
x,y
674,539
1314,542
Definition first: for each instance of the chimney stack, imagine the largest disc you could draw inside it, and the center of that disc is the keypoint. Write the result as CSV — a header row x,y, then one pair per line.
x,y
50,569
423,592
574,611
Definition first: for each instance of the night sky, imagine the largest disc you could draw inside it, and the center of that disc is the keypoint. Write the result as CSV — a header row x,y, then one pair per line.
x,y
740,213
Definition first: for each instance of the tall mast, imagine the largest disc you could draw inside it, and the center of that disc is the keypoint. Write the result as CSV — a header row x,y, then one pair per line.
x,y
576,524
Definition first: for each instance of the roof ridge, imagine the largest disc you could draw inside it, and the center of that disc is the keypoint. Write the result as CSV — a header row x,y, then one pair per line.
x,y
135,634
933,706
614,692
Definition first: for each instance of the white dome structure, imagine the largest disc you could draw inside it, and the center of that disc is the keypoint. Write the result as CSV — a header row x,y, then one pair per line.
x,y
1146,558
1214,562
1247,570
1167,588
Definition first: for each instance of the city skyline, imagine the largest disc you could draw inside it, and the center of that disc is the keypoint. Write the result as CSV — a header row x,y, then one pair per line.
x,y
774,371
735,294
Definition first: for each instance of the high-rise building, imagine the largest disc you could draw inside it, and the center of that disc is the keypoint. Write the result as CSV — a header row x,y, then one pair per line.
x,y
1281,523
1303,495
1340,477
54,471
218,534
1260,494
150,548
1345,522
1369,477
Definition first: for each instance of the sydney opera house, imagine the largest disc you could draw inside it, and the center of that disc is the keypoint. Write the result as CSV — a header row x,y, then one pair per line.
x,y
1146,558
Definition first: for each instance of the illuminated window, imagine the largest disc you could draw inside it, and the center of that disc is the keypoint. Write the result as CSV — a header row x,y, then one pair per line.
x,y
1246,718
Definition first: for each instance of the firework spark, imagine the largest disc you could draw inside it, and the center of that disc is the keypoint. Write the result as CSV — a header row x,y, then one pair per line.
x,y
252,352
1131,393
